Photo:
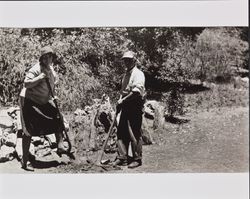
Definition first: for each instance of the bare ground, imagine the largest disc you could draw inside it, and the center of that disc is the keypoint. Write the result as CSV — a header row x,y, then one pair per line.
x,y
211,141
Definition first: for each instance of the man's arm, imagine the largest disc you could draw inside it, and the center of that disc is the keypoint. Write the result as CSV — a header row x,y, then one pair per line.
x,y
132,95
31,82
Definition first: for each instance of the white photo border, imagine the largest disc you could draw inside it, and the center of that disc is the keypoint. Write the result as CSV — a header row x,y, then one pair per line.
x,y
121,13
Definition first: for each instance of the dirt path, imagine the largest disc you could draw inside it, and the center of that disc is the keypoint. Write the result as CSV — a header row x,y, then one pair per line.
x,y
214,141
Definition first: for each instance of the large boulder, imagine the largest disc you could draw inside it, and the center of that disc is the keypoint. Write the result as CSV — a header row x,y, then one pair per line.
x,y
155,110
240,82
5,120
6,153
149,108
9,137
153,119
147,131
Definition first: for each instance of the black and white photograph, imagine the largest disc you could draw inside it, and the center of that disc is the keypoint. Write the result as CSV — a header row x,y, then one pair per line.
x,y
124,99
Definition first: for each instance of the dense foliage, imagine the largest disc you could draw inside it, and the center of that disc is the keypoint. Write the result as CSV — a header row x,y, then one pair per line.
x,y
89,65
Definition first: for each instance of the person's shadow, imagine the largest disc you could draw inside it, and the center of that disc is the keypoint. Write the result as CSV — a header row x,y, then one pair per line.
x,y
39,164
176,120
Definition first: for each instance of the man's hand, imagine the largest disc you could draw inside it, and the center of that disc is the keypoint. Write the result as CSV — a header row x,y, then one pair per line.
x,y
41,76
55,98
29,83
120,101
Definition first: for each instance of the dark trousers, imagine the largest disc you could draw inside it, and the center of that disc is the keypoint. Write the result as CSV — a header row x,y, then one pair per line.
x,y
131,114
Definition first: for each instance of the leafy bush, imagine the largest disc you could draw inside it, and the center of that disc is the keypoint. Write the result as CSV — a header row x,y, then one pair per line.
x,y
221,95
17,53
217,51
89,65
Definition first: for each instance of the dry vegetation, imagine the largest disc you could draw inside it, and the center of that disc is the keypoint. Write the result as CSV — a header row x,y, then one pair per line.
x,y
200,123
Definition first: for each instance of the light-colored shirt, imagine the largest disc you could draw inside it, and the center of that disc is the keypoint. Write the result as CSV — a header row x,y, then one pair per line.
x,y
133,81
40,93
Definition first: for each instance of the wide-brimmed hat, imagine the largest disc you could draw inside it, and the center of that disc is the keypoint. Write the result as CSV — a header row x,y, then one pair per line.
x,y
129,55
47,49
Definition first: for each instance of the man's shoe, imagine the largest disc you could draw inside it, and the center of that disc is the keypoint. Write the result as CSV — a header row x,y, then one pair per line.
x,y
119,162
134,164
27,166
61,151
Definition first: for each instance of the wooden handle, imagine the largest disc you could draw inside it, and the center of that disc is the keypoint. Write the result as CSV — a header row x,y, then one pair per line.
x,y
99,158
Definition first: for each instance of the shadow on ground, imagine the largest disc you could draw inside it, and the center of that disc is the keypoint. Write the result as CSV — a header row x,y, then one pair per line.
x,y
45,164
176,120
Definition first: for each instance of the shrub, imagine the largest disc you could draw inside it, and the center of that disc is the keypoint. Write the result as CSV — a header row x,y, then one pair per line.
x,y
217,51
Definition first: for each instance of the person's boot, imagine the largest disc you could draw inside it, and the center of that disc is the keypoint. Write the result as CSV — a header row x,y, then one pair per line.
x,y
61,150
27,166
134,164
120,162
60,147
24,161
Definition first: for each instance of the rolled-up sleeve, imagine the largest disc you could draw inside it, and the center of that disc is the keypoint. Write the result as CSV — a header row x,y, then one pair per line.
x,y
30,75
138,82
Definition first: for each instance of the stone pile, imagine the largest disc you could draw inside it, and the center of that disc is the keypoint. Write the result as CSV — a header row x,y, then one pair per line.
x,y
90,125
11,137
8,134
88,128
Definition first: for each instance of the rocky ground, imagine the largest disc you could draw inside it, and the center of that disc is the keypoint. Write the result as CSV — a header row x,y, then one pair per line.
x,y
204,141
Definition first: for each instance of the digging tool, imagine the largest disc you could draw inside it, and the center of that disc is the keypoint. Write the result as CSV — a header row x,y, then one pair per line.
x,y
132,138
100,155
61,119
131,134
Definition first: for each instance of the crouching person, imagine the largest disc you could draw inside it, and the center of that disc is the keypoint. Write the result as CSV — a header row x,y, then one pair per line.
x,y
131,105
39,116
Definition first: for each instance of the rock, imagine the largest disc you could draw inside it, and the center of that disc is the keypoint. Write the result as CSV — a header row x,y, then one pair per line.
x,y
36,140
51,138
5,120
149,113
79,112
18,147
65,159
12,112
146,132
32,149
8,137
241,82
65,145
150,107
83,160
88,128
13,109
106,161
195,82
44,152
159,119
6,153
245,81
18,121
9,140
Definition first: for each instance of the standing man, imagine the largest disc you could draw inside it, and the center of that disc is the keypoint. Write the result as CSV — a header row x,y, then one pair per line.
x,y
130,104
